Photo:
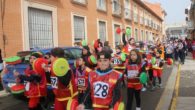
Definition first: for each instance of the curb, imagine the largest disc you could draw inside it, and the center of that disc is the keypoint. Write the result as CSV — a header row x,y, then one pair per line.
x,y
167,95
176,91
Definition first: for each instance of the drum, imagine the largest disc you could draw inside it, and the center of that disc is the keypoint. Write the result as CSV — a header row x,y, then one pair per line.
x,y
169,61
38,65
17,89
119,106
60,67
143,77
92,60
13,60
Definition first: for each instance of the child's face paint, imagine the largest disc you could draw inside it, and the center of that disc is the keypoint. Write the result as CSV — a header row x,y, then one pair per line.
x,y
103,63
133,56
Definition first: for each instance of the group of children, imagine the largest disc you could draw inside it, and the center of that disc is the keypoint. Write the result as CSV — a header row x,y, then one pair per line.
x,y
94,84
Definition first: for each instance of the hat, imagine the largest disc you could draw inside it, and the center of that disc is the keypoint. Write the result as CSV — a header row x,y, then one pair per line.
x,y
86,47
37,54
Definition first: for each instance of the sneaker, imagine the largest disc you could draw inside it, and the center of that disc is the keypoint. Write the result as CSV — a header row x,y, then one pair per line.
x,y
138,108
143,89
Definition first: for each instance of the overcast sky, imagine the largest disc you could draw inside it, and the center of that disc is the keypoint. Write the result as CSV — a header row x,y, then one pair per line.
x,y
175,10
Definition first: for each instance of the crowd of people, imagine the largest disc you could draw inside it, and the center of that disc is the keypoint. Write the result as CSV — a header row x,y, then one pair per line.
x,y
101,73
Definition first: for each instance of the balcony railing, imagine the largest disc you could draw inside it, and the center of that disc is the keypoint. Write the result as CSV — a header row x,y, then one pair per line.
x,y
116,8
142,20
101,6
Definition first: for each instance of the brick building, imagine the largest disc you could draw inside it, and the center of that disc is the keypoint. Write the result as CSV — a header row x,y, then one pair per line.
x,y
27,24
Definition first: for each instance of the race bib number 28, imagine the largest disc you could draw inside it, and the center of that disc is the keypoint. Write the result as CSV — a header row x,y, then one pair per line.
x,y
101,89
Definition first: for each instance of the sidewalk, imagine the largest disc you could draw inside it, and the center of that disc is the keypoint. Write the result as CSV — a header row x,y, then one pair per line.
x,y
186,95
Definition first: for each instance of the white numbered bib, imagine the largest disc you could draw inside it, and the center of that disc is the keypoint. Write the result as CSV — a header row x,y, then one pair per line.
x,y
54,82
132,73
81,81
117,61
27,86
101,89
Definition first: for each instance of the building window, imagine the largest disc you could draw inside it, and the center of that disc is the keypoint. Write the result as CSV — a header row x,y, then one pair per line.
x,y
147,36
101,5
80,1
135,15
40,26
116,7
136,34
79,28
129,36
142,35
141,17
117,36
127,9
102,31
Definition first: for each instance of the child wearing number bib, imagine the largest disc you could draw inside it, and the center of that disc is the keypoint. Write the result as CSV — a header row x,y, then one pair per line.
x,y
63,86
81,79
104,85
157,69
35,84
134,86
119,60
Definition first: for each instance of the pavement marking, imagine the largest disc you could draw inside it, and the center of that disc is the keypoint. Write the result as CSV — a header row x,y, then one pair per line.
x,y
166,97
176,90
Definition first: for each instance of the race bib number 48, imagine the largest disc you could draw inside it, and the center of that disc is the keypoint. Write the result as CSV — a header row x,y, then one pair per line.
x,y
54,82
101,89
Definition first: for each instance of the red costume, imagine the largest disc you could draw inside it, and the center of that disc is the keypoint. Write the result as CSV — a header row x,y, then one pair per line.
x,y
157,70
102,87
63,93
133,70
82,79
34,90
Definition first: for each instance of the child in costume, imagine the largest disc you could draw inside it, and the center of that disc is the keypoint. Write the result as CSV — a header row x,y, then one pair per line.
x,y
35,84
134,86
86,57
157,69
82,73
64,86
104,85
118,60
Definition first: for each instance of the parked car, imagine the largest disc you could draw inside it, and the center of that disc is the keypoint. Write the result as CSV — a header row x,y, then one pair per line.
x,y
8,79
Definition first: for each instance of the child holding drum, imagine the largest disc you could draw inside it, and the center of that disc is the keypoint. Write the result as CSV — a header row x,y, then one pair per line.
x,y
35,83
